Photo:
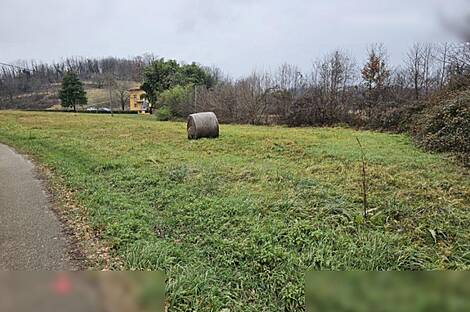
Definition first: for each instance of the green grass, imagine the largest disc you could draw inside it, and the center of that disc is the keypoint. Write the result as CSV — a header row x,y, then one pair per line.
x,y
387,291
235,222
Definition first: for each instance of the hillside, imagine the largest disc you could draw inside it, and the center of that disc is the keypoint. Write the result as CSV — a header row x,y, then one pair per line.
x,y
235,222
48,97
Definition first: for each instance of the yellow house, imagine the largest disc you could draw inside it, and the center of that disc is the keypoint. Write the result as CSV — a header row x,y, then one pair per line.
x,y
136,103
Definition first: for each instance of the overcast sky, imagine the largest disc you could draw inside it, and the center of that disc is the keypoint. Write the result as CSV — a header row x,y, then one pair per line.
x,y
235,35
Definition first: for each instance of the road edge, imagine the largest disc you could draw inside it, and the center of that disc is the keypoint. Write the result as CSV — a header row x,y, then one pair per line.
x,y
83,244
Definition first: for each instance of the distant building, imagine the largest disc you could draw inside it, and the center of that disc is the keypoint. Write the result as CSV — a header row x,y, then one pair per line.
x,y
136,101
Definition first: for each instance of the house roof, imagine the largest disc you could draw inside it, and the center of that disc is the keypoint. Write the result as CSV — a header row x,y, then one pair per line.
x,y
135,89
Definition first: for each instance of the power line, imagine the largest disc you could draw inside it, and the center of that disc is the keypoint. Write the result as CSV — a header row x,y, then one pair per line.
x,y
15,66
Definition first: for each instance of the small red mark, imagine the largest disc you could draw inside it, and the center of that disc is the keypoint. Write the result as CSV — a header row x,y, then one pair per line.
x,y
61,285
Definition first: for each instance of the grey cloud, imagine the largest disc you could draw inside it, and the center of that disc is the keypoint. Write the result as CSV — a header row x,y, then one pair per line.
x,y
236,35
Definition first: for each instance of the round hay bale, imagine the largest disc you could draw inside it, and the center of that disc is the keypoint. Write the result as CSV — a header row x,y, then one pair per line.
x,y
203,125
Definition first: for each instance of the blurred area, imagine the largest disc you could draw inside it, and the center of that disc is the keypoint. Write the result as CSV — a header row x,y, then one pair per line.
x,y
457,18
82,291
387,291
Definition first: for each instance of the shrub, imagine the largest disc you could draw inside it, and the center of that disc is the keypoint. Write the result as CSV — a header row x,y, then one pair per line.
x,y
393,116
178,99
163,113
445,125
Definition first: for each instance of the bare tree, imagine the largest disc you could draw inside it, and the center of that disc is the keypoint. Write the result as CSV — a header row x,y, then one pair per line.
x,y
253,92
442,58
335,75
111,84
289,84
415,67
121,90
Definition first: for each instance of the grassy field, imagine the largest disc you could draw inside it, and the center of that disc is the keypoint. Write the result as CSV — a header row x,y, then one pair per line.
x,y
235,222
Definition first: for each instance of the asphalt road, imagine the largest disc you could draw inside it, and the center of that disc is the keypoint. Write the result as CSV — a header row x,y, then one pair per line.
x,y
31,236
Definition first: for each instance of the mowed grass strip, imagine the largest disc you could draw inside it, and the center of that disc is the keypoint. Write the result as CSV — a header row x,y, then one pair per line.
x,y
235,222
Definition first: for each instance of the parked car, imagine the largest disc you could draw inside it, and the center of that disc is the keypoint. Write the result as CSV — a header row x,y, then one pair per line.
x,y
91,109
104,110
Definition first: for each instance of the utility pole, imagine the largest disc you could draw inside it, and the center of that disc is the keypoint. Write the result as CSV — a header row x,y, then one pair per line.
x,y
111,82
110,102
195,98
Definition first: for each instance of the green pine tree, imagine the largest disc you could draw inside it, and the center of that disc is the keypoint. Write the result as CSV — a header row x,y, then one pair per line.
x,y
72,93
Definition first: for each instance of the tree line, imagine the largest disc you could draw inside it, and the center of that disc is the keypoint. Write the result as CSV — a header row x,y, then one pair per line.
x,y
428,95
337,89
32,77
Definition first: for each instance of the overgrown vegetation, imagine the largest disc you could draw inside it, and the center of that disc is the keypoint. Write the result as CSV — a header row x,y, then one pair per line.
x,y
235,222
163,113
444,125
